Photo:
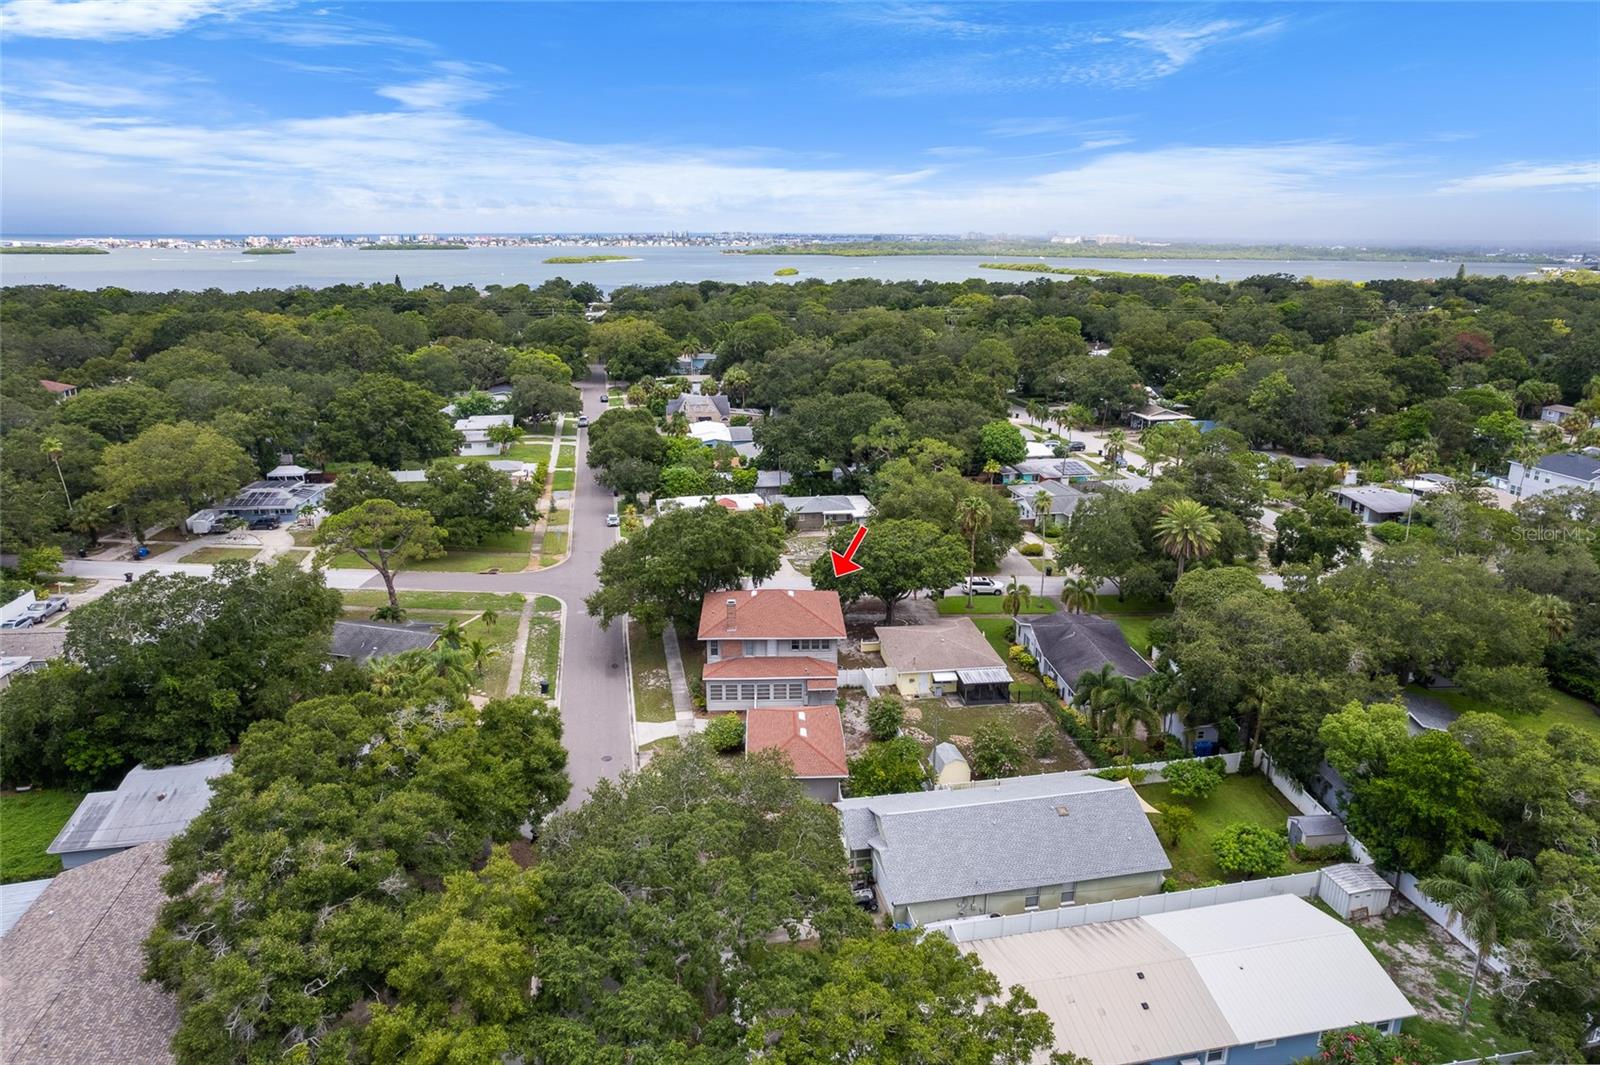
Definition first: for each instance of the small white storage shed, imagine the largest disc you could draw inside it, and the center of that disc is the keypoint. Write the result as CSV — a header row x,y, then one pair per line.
x,y
1316,830
1354,891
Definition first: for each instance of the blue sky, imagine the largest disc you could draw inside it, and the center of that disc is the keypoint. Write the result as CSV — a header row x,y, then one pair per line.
x,y
1372,123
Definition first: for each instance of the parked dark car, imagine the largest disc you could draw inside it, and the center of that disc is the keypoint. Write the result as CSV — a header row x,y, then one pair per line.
x,y
264,523
867,899
1076,445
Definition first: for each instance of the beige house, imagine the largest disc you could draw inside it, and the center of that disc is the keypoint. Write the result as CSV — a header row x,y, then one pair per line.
x,y
1004,846
950,658
697,408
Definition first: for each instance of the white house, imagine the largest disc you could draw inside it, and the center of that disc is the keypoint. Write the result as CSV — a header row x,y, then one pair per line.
x,y
475,433
1552,473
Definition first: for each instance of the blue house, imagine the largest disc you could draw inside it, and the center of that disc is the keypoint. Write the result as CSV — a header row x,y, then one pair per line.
x,y
1243,983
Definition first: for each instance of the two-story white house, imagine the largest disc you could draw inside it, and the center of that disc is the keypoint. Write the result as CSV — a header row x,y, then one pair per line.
x,y
770,647
1552,473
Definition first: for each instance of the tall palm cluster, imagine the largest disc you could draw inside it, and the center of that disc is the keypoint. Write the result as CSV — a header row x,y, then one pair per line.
x,y
452,668
1118,707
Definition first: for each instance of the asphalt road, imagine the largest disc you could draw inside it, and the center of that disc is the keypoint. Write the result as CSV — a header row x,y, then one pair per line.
x,y
594,690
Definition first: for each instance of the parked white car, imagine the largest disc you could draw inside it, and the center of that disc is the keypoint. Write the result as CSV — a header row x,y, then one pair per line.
x,y
612,521
982,586
24,622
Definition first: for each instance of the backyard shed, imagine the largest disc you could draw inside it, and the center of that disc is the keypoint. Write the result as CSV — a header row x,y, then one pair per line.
x,y
1353,890
1316,830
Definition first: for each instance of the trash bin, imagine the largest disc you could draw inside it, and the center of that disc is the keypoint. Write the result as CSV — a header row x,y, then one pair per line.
x,y
128,577
544,687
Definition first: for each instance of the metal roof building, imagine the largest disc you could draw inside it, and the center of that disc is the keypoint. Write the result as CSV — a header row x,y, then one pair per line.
x,y
1273,972
150,805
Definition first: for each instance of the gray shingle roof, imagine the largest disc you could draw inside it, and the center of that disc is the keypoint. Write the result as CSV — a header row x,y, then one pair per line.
x,y
72,969
1428,712
1075,644
149,805
947,754
362,641
1572,464
1003,835
693,400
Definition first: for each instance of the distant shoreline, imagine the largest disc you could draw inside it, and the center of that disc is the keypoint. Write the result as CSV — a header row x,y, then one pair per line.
x,y
269,251
50,249
413,246
1073,271
1199,252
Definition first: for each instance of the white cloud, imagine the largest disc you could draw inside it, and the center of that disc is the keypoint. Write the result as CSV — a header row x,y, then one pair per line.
x,y
1518,177
451,85
419,168
1108,141
105,20
1176,45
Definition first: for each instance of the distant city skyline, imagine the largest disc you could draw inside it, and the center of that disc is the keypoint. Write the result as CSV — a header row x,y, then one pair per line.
x,y
1383,125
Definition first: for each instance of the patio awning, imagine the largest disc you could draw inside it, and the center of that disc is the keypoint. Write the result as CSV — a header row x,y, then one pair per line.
x,y
944,677
983,675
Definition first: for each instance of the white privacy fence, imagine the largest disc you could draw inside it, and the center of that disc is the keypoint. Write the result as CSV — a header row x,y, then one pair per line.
x,y
872,679
966,929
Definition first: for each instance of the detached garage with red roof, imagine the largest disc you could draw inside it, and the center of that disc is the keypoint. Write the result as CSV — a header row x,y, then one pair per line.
x,y
810,737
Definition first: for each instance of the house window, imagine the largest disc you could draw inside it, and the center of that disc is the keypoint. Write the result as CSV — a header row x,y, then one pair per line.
x,y
755,648
747,691
763,691
1068,893
713,648
1265,1043
1031,900
1387,1027
809,645
1217,1057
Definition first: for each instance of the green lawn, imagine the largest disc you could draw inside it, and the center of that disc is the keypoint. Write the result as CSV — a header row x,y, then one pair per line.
x,y
997,631
559,517
1136,629
547,604
1239,798
31,820
652,690
1110,604
1564,710
507,552
544,654
665,743
294,554
562,480
507,604
210,555
990,604
554,547
529,451
1415,954
568,457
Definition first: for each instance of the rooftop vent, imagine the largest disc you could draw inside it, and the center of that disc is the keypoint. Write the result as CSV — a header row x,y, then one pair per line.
x,y
1061,811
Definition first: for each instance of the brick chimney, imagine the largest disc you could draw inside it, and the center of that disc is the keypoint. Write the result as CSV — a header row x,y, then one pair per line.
x,y
732,624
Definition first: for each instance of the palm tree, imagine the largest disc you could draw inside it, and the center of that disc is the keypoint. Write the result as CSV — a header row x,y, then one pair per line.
x,y
1419,458
1116,447
1099,693
1186,530
1079,594
1137,703
1041,509
451,634
1555,614
479,653
1526,455
973,515
1486,891
53,450
490,618
991,468
1016,599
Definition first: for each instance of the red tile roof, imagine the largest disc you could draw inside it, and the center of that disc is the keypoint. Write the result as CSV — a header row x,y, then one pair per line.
x,y
55,386
767,613
769,667
811,736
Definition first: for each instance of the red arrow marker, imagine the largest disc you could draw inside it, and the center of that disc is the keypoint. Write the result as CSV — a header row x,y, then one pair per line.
x,y
846,563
